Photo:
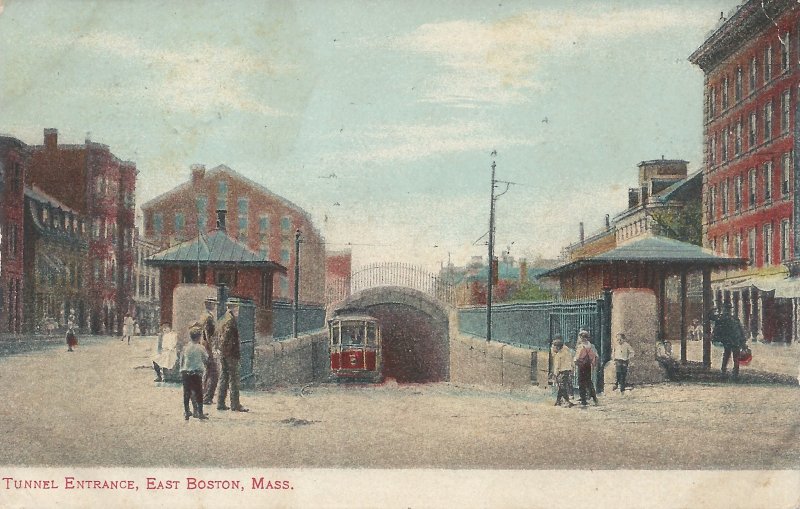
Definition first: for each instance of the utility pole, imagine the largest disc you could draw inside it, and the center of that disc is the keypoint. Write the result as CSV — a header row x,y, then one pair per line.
x,y
490,280
295,308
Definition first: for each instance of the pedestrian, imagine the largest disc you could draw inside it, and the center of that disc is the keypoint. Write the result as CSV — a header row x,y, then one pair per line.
x,y
193,363
230,350
166,354
585,360
72,340
728,331
127,328
623,353
696,330
562,369
211,378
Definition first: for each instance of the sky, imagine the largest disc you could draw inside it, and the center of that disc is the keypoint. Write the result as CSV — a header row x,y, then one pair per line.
x,y
379,118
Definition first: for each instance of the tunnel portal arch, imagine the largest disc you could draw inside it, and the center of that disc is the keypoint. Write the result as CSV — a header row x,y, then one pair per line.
x,y
415,329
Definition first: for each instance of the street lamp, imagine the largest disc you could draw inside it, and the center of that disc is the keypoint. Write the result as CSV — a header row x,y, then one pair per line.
x,y
295,308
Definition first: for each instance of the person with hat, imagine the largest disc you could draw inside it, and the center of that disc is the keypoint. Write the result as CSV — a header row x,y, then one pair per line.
x,y
193,364
585,361
729,332
623,353
211,377
562,369
231,352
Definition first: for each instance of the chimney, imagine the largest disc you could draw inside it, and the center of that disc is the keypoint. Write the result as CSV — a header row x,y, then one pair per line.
x,y
221,219
581,235
608,222
50,138
198,172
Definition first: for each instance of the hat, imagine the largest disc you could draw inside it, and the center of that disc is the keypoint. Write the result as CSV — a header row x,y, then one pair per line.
x,y
558,341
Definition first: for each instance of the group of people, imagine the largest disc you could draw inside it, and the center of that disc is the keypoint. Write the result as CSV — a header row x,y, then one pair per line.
x,y
210,359
583,363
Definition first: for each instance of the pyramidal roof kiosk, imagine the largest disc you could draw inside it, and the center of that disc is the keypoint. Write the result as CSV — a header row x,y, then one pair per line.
x,y
646,262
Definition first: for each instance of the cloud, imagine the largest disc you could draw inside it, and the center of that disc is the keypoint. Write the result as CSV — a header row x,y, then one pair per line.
x,y
496,62
198,78
393,143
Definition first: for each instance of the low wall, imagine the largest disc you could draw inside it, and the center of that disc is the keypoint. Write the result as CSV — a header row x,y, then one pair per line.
x,y
474,361
292,361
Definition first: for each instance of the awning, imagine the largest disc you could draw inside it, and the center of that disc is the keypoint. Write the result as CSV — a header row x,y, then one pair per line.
x,y
784,287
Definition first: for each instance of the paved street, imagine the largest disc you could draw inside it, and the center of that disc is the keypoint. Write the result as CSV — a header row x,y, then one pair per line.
x,y
100,406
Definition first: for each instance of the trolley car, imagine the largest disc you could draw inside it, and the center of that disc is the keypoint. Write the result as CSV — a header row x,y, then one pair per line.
x,y
355,346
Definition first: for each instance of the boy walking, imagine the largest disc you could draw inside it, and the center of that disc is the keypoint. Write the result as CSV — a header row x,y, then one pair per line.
x,y
193,362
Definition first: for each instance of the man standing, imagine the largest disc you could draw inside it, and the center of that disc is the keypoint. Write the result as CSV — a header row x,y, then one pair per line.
x,y
207,322
562,369
585,360
728,331
229,337
623,353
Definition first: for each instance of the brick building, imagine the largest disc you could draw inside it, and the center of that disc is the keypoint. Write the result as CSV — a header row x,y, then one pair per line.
x,y
12,177
338,273
256,217
99,187
751,63
146,295
55,262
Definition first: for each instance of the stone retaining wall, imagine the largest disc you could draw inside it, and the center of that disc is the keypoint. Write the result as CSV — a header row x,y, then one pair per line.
x,y
474,361
292,361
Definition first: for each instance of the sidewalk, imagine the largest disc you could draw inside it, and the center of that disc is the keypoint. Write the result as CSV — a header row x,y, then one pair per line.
x,y
778,358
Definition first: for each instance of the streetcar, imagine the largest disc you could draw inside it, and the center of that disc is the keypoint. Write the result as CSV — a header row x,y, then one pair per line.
x,y
355,346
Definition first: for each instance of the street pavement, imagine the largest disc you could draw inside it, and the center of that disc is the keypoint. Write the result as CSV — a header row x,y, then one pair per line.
x,y
99,406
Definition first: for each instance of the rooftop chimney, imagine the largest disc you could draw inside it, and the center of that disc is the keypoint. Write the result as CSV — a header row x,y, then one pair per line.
x,y
221,219
581,234
198,172
608,222
50,138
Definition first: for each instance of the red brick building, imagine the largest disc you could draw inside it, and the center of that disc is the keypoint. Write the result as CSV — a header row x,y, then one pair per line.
x,y
256,217
338,272
91,181
12,205
751,63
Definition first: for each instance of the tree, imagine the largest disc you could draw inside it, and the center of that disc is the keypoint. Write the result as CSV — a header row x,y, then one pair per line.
x,y
684,224
530,291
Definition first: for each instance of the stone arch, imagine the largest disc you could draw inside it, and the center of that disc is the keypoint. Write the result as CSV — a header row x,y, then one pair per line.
x,y
415,331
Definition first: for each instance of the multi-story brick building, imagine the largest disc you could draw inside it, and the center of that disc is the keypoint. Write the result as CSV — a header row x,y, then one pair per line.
x,y
265,222
146,296
751,63
99,187
55,260
12,177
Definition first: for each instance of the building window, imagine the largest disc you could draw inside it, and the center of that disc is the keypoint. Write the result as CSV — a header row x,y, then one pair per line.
x,y
712,203
751,246
222,195
725,246
768,121
158,223
786,171
284,286
737,141
714,245
202,213
242,207
286,223
738,192
725,131
737,245
768,182
751,188
752,130
724,204
285,257
767,244
767,64
785,52
785,240
737,87
753,73
725,93
180,222
785,109
712,150
712,102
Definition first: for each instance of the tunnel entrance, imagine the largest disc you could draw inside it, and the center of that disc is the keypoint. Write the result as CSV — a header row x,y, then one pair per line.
x,y
415,332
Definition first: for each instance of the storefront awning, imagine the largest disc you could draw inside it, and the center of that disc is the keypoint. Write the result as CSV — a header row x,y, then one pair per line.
x,y
784,287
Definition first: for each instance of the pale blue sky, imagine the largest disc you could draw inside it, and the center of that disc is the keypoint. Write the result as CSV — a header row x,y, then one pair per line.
x,y
402,101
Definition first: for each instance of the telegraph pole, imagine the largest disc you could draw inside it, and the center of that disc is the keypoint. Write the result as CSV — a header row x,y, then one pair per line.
x,y
490,280
295,308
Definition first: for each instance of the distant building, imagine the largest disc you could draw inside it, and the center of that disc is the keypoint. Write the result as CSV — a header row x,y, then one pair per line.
x,y
89,180
338,273
470,281
752,72
146,297
256,217
13,155
56,260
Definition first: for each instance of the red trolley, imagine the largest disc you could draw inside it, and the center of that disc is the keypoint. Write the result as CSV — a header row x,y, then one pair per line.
x,y
355,345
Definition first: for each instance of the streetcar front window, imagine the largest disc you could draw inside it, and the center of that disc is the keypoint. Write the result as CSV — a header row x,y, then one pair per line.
x,y
372,338
353,333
